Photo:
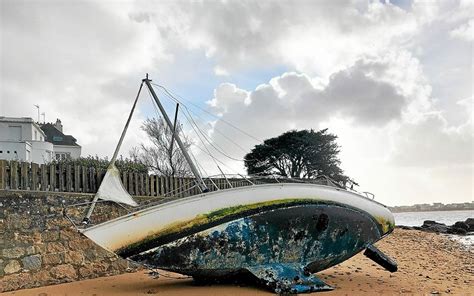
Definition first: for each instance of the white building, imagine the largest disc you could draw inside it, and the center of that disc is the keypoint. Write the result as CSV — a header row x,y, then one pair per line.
x,y
23,139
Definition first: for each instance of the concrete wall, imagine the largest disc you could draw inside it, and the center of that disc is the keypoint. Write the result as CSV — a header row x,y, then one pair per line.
x,y
11,150
40,247
42,152
30,151
27,126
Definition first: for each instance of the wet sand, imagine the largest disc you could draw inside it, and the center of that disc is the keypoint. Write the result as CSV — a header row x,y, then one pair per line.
x,y
427,264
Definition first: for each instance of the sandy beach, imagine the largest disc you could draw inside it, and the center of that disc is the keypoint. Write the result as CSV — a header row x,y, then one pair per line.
x,y
428,264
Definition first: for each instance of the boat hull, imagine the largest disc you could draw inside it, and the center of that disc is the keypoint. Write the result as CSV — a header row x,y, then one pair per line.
x,y
315,236
277,232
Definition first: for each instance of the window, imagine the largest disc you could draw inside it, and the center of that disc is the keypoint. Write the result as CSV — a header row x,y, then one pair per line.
x,y
1,151
62,155
57,138
36,136
8,152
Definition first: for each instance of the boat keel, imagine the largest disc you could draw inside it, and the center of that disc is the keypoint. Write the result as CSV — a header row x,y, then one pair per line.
x,y
380,258
288,279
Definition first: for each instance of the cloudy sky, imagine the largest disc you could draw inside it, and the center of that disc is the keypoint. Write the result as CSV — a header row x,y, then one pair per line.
x,y
392,79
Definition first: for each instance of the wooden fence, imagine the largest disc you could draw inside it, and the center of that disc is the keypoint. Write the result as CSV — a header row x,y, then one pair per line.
x,y
74,178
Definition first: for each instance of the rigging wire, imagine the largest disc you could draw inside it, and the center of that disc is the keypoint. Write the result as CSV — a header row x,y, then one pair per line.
x,y
198,131
203,110
221,162
218,148
210,125
213,145
199,137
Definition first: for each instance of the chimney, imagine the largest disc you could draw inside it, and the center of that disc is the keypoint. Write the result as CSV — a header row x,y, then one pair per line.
x,y
58,125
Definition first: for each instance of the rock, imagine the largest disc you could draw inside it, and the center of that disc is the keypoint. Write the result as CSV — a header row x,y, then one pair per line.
x,y
68,235
12,267
85,272
461,225
52,259
32,262
430,223
30,250
73,257
16,252
459,231
48,236
119,265
16,281
42,276
470,223
55,247
65,271
438,228
91,255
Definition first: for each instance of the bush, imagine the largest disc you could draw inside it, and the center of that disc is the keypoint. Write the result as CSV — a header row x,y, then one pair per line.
x,y
123,164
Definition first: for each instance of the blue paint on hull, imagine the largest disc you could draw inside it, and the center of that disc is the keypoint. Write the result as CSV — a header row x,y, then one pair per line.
x,y
281,247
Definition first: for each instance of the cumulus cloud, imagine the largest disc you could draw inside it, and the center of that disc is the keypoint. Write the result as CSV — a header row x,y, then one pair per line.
x,y
313,37
292,98
464,32
432,143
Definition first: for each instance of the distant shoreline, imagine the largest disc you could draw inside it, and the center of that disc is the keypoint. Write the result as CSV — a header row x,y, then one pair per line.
x,y
431,210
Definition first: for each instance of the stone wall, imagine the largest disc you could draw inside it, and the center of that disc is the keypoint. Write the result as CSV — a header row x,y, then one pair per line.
x,y
39,246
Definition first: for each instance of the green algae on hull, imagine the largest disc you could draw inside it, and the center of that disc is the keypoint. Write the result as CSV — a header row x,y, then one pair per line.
x,y
387,225
210,218
203,221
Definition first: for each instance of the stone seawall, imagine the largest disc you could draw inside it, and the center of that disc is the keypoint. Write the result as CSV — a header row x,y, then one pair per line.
x,y
39,246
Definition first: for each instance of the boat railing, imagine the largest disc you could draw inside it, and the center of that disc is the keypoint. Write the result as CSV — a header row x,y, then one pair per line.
x,y
189,188
238,180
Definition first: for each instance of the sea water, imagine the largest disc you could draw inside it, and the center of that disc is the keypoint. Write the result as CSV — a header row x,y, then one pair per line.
x,y
445,217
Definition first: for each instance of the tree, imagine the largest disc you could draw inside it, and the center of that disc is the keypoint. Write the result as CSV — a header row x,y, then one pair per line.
x,y
161,157
297,154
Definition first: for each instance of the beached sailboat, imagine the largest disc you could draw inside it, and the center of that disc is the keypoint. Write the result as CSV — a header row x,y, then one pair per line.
x,y
280,234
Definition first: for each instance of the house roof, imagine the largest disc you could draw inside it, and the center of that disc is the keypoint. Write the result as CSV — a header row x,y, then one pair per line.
x,y
17,119
55,136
